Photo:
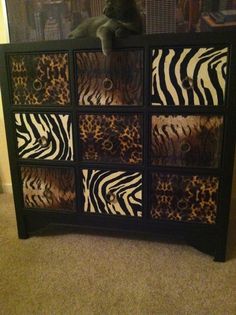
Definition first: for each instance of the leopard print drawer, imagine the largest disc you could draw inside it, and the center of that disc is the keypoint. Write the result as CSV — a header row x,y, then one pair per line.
x,y
189,76
116,193
189,141
44,136
113,138
40,79
184,198
48,187
113,80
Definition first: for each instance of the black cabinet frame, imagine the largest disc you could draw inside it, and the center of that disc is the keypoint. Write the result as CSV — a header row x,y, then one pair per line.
x,y
208,238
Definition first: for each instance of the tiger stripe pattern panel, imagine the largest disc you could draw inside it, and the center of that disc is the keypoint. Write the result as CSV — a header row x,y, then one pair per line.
x,y
112,192
189,198
48,187
188,141
189,76
113,80
44,136
40,79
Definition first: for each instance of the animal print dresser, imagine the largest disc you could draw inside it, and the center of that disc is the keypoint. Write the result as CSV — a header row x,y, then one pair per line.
x,y
139,141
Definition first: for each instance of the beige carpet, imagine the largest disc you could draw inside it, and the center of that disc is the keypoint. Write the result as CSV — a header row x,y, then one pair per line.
x,y
77,274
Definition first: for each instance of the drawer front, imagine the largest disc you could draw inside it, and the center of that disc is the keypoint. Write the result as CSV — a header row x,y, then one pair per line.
x,y
44,136
48,187
189,76
113,138
113,80
184,198
112,192
191,141
40,79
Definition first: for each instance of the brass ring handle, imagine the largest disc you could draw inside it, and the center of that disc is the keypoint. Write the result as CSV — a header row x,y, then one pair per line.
x,y
187,83
185,147
108,145
37,85
182,205
111,197
43,142
107,84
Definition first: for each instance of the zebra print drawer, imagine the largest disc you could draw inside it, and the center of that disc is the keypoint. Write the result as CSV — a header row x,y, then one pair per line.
x,y
113,138
191,141
184,198
113,80
116,193
44,136
189,76
50,188
40,79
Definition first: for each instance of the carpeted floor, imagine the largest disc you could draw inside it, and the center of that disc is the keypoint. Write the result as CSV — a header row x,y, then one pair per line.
x,y
68,273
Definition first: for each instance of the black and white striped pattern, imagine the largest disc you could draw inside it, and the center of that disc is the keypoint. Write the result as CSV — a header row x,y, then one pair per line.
x,y
125,186
206,68
55,129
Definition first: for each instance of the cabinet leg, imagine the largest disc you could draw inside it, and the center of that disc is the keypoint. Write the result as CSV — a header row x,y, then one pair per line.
x,y
220,257
23,235
22,229
34,225
30,225
220,252
206,245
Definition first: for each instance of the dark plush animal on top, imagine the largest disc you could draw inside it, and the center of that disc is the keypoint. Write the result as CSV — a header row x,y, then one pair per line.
x,y
121,18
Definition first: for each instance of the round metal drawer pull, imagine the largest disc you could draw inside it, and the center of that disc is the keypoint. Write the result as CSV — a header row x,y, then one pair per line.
x,y
37,85
47,193
187,83
43,142
111,197
107,84
185,147
107,145
182,205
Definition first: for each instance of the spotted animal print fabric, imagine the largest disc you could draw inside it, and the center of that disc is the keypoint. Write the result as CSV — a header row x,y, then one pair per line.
x,y
40,79
111,138
184,198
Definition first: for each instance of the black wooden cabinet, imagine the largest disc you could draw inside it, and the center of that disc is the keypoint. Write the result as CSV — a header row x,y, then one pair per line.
x,y
142,140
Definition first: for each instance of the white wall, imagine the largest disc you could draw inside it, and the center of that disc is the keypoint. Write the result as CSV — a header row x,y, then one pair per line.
x,y
5,178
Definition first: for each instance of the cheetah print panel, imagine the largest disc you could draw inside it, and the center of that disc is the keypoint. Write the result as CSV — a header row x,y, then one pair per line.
x,y
184,198
40,79
111,138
